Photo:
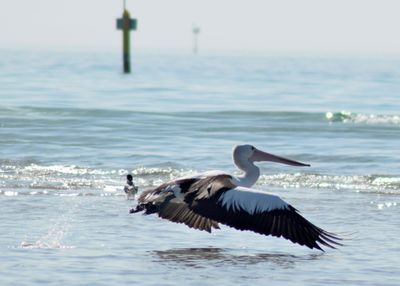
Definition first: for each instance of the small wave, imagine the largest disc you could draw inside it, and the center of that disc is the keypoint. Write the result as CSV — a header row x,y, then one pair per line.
x,y
116,192
154,176
359,183
68,169
71,180
21,178
243,115
349,117
143,171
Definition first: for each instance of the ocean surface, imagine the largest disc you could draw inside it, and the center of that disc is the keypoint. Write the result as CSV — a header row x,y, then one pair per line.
x,y
72,126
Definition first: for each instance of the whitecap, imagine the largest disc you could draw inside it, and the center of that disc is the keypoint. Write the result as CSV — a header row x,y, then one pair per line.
x,y
359,183
360,118
10,193
110,189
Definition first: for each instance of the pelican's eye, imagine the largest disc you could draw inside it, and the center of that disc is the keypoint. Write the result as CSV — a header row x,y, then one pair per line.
x,y
252,148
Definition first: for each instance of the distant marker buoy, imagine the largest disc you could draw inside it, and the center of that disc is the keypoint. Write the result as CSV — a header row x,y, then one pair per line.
x,y
126,24
196,31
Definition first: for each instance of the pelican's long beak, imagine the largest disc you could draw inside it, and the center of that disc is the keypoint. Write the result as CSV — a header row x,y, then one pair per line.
x,y
264,156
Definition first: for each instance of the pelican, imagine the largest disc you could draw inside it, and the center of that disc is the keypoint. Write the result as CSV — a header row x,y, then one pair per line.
x,y
204,200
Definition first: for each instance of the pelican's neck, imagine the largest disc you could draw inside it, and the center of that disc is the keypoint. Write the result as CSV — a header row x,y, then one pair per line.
x,y
250,175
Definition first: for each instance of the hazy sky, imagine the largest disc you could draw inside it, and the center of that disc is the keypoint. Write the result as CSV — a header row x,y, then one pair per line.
x,y
357,26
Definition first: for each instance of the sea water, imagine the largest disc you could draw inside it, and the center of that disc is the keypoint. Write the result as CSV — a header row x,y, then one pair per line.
x,y
72,126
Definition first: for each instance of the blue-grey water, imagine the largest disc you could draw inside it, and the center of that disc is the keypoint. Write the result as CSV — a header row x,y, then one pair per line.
x,y
72,126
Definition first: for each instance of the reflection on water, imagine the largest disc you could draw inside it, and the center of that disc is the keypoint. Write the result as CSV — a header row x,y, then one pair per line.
x,y
219,257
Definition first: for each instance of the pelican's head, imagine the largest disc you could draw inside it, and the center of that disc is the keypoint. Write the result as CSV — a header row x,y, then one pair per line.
x,y
245,154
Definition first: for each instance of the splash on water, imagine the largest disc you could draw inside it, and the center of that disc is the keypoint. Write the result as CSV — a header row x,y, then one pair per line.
x,y
54,237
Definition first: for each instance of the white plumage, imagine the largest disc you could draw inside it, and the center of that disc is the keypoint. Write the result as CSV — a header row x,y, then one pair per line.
x,y
251,201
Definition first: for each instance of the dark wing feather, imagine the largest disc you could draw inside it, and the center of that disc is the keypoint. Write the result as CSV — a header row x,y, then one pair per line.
x,y
283,222
178,211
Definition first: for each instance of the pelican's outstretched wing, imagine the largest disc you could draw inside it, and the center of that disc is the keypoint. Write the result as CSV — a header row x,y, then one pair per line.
x,y
247,209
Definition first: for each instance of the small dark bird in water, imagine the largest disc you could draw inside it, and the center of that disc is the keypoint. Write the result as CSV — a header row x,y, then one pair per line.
x,y
130,189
